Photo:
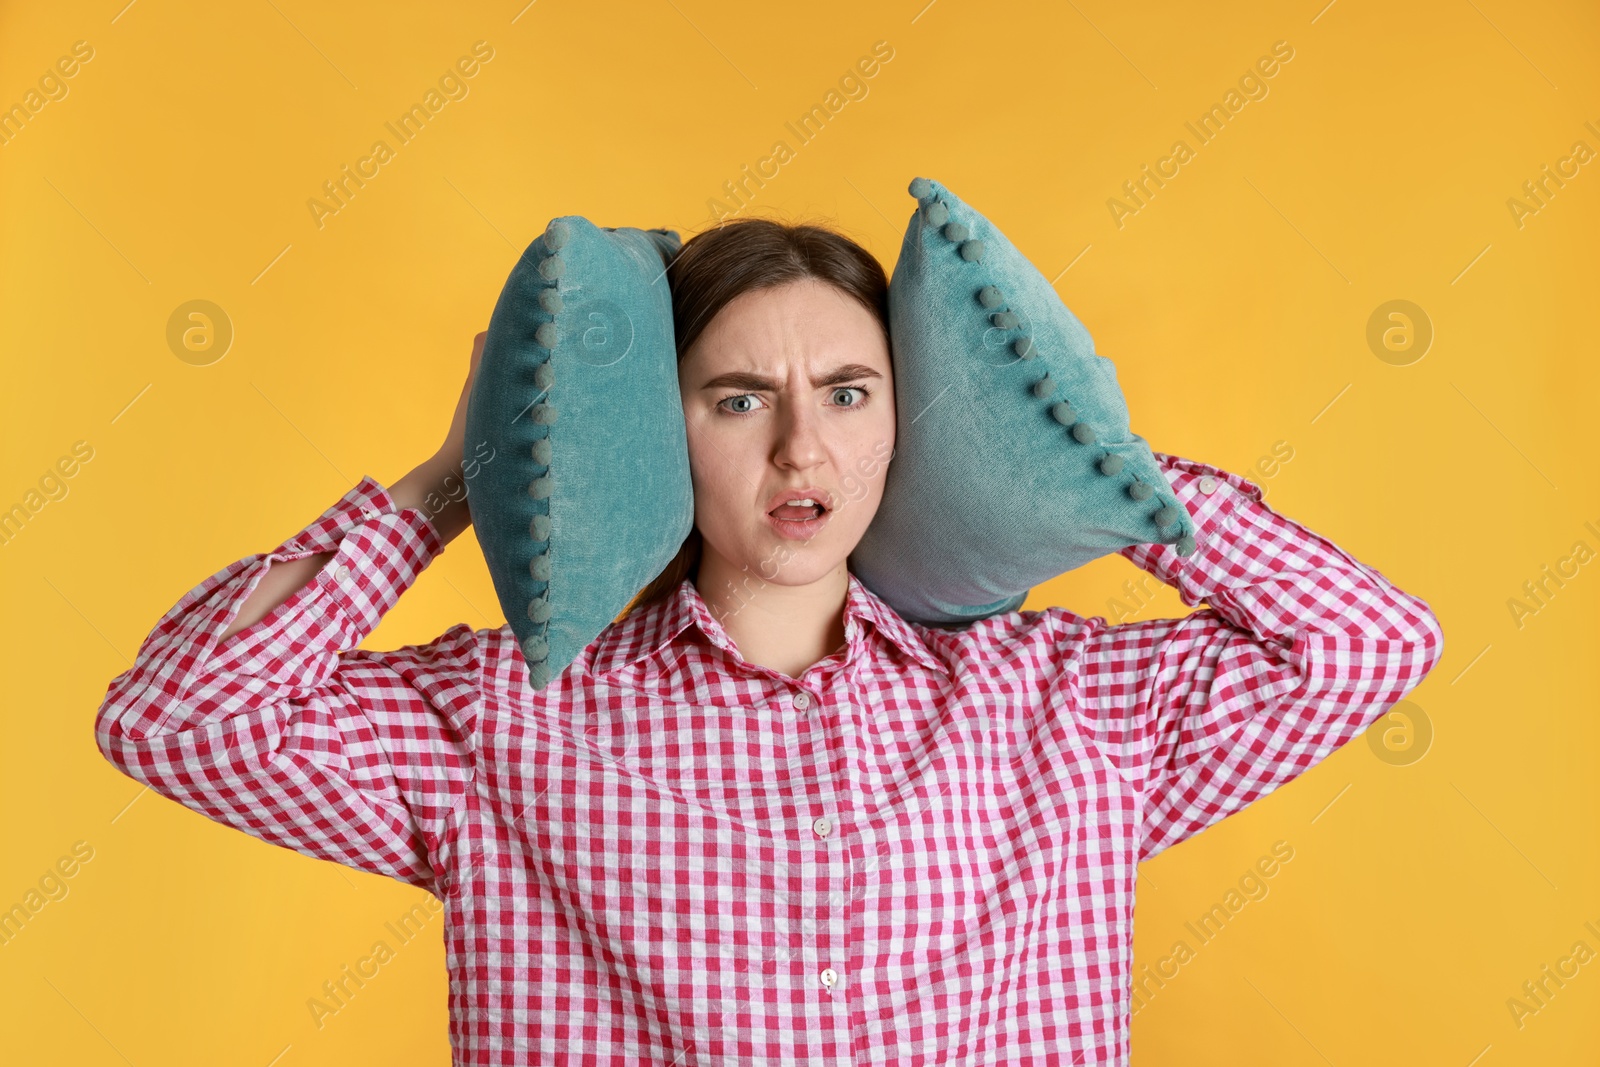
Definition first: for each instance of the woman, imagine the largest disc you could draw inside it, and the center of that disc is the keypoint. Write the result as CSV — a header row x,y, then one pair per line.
x,y
762,817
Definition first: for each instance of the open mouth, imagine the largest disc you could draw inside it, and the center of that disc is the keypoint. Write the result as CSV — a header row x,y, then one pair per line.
x,y
801,513
798,512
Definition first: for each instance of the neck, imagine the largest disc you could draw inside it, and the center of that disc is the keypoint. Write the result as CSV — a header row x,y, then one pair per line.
x,y
786,628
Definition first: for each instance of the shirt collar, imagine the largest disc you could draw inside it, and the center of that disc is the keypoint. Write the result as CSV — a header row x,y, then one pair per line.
x,y
653,626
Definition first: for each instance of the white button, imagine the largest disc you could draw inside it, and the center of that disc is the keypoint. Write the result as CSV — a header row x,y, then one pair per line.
x,y
822,826
343,573
1208,485
369,512
829,977
802,701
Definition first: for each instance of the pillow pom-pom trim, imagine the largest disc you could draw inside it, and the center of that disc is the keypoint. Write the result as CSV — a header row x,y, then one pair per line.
x,y
937,214
543,415
539,609
552,267
539,567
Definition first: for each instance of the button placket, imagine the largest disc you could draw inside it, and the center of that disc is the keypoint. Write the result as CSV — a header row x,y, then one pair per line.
x,y
825,928
834,914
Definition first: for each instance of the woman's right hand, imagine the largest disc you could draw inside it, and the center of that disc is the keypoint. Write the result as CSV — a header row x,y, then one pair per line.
x,y
454,448
437,487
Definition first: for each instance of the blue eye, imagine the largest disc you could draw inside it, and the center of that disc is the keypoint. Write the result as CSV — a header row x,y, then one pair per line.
x,y
740,396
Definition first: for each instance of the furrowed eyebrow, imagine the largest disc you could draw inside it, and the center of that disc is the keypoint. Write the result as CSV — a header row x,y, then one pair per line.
x,y
740,379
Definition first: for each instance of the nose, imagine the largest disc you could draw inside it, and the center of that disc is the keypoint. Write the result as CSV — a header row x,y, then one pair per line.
x,y
799,442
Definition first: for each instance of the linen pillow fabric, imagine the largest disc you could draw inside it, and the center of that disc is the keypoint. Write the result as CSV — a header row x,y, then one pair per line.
x,y
1014,461
576,448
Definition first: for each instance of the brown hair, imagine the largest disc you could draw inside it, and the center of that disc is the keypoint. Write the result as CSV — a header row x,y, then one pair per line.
x,y
741,256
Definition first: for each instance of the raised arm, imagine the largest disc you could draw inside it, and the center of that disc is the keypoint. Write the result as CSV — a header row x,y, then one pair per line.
x,y
249,702
1299,649
436,488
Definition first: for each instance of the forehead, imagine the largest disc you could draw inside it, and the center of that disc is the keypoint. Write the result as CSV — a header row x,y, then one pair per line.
x,y
809,322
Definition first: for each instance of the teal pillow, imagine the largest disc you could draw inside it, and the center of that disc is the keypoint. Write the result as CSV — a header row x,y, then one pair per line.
x,y
1013,461
576,451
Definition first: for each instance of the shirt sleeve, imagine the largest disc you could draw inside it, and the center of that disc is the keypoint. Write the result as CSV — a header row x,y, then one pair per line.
x,y
288,732
1299,649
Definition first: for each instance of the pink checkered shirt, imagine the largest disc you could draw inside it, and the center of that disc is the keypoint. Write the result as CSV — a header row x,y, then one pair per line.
x,y
921,850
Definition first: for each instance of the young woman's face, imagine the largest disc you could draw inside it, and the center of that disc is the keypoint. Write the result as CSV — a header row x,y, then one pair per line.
x,y
789,387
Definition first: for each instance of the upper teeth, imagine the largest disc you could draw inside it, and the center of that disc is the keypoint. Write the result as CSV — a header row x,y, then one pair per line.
x,y
807,502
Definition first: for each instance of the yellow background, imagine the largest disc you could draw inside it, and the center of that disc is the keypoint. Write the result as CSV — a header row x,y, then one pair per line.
x,y
1423,891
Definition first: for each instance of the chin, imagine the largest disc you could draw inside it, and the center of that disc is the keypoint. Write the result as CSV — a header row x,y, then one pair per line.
x,y
792,564
799,572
